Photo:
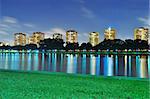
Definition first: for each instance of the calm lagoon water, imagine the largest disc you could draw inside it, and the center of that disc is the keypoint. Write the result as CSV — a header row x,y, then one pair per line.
x,y
107,65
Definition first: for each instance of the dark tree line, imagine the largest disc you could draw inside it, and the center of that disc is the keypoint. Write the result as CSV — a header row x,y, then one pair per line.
x,y
58,44
122,45
19,47
50,44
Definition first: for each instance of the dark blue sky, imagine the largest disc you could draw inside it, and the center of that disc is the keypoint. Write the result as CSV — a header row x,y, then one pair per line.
x,y
82,15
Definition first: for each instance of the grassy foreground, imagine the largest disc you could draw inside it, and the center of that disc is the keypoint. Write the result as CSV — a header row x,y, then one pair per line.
x,y
27,85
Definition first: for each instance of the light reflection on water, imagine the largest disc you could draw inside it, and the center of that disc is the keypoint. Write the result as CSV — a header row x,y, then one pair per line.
x,y
107,65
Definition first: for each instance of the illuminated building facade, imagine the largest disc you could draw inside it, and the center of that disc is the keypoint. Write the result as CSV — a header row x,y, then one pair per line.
x,y
37,37
71,36
4,44
110,34
57,36
94,38
20,39
30,40
1,43
141,33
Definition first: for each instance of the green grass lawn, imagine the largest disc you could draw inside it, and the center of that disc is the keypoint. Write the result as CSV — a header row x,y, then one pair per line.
x,y
35,85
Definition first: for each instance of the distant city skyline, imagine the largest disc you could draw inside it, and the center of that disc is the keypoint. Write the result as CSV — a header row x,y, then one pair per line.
x,y
140,33
84,16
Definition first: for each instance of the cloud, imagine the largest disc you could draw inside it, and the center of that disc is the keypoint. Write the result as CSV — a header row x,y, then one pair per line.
x,y
50,32
83,37
79,1
3,32
10,25
87,12
4,25
8,28
8,19
29,25
145,21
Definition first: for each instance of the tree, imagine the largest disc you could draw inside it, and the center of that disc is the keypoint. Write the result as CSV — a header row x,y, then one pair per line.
x,y
118,44
72,46
141,44
18,47
52,44
82,46
89,46
110,45
5,47
129,44
31,46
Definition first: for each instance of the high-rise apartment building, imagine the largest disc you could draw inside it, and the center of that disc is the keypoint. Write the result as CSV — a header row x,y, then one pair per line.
x,y
30,40
57,36
94,38
71,36
141,33
20,39
37,37
110,34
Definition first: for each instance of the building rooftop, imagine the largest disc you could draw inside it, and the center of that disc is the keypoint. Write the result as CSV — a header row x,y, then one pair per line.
x,y
20,34
94,32
57,34
71,31
38,33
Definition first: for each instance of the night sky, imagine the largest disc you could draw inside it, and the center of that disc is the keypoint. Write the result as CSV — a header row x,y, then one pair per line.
x,y
84,16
